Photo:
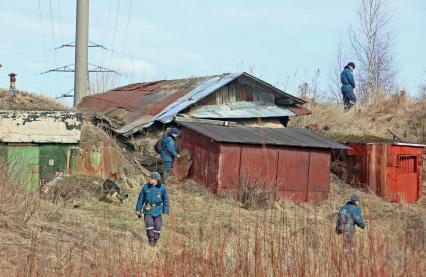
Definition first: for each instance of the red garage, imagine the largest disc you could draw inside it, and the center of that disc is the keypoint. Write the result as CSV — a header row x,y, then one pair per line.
x,y
295,162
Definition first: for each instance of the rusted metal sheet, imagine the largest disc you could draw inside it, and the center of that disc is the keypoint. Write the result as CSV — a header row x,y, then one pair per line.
x,y
293,174
40,127
299,110
319,176
94,160
229,167
392,171
182,165
205,158
264,172
301,174
139,105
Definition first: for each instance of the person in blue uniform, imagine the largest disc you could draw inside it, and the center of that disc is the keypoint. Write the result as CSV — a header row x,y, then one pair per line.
x,y
169,151
348,86
153,201
348,217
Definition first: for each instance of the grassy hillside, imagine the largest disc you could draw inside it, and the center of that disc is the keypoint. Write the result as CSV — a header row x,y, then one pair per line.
x,y
68,232
403,116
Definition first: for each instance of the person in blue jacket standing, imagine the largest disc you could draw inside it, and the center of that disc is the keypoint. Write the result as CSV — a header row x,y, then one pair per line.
x,y
348,86
349,215
153,201
169,151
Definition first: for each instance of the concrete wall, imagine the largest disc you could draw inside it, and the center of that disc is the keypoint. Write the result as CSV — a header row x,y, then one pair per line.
x,y
40,127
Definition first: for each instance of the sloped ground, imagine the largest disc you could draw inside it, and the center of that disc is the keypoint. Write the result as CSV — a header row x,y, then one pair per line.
x,y
79,235
85,234
403,116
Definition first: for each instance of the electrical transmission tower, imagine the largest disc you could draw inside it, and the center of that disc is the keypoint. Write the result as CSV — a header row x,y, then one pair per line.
x,y
81,66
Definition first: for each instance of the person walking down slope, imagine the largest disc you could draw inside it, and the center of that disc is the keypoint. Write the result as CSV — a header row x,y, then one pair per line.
x,y
153,201
349,215
169,151
348,86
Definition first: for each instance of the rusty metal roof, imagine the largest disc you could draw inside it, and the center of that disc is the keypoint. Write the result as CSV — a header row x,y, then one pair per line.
x,y
139,105
294,137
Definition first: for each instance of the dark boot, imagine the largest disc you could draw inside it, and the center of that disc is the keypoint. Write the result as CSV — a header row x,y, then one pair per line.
x,y
164,176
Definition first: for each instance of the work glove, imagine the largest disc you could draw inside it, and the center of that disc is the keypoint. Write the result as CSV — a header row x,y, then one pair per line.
x,y
338,231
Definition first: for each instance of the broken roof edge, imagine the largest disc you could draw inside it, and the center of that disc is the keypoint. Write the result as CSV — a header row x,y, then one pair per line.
x,y
210,85
169,113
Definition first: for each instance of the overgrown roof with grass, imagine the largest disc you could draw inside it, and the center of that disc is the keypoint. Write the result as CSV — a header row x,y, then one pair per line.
x,y
29,102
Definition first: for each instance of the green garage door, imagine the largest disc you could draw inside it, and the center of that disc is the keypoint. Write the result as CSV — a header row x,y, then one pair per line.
x,y
24,164
53,158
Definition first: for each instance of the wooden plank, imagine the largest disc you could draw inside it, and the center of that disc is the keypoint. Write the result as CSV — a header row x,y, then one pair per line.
x,y
232,95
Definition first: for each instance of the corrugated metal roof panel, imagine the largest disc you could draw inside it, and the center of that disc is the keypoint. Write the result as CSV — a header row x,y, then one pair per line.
x,y
168,113
299,110
163,100
239,110
295,137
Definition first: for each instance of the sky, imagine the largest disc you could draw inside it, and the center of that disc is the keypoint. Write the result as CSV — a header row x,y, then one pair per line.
x,y
283,42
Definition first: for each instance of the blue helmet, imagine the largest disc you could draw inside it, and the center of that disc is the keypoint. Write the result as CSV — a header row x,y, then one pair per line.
x,y
155,176
174,131
355,197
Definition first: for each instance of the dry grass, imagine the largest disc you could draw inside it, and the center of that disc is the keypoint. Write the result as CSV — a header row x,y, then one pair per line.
x,y
205,235
29,102
208,236
407,118
253,193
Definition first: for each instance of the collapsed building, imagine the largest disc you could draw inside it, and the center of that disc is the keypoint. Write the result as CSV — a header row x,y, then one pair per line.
x,y
238,97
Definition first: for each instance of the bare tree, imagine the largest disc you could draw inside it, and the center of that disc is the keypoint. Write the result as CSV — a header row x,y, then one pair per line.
x,y
337,67
101,82
372,49
311,89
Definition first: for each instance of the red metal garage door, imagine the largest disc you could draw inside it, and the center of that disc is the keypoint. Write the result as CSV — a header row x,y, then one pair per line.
x,y
293,174
407,178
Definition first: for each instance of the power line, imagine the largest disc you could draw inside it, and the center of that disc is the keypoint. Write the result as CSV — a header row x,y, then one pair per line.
x,y
66,94
107,29
43,41
126,32
60,20
72,68
107,22
115,31
53,37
